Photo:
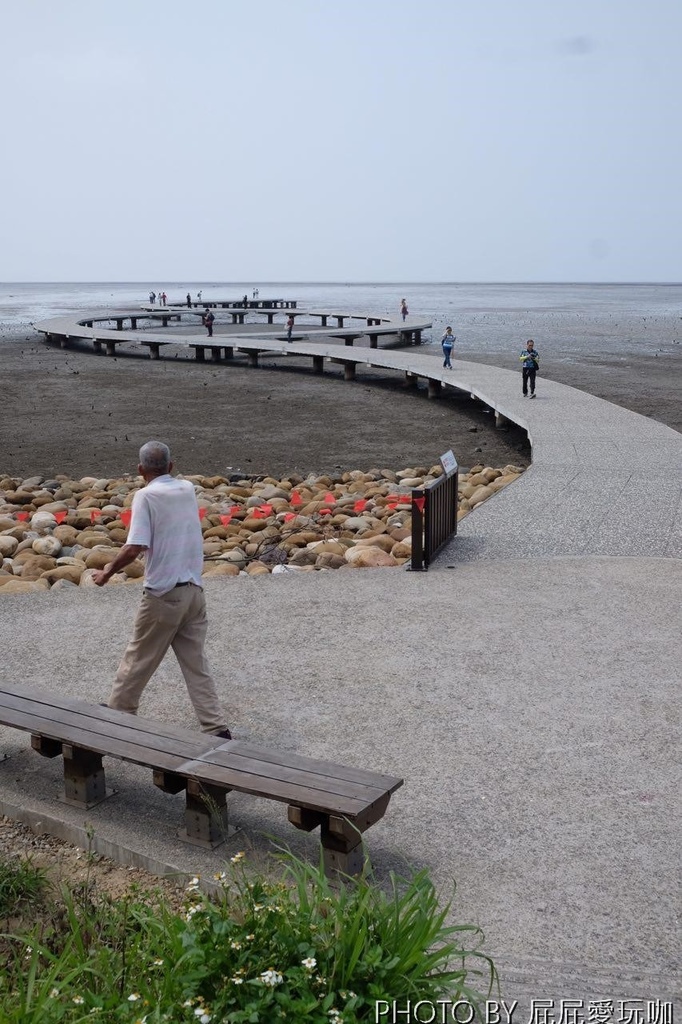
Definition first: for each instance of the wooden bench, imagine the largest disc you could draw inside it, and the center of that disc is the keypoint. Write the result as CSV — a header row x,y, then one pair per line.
x,y
344,802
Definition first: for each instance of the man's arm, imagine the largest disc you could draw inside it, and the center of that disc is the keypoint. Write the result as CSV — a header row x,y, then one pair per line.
x,y
127,554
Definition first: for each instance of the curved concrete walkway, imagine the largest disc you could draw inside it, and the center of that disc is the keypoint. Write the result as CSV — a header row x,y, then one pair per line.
x,y
531,702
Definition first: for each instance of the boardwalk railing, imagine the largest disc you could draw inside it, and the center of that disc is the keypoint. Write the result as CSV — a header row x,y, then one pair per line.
x,y
434,518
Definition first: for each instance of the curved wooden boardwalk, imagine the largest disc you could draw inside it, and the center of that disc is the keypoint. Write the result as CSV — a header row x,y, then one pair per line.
x,y
604,480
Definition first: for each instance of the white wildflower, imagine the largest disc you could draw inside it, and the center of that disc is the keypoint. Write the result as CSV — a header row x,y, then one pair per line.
x,y
271,977
310,963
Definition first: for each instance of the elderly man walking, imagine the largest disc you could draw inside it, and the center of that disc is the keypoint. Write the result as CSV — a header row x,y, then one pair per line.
x,y
165,525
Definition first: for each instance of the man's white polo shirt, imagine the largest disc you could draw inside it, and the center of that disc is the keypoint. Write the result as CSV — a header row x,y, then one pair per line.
x,y
166,521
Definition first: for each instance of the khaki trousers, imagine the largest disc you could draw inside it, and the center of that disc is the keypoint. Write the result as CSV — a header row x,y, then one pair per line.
x,y
177,620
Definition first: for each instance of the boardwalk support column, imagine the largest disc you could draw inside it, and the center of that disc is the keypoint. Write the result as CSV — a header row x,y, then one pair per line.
x,y
253,358
318,364
411,379
434,388
153,350
349,371
500,420
111,348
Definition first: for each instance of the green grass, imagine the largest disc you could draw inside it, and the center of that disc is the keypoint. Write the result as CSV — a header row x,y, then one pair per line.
x,y
21,883
294,949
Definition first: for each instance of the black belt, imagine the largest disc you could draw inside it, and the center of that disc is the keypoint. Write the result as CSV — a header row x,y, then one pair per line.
x,y
186,583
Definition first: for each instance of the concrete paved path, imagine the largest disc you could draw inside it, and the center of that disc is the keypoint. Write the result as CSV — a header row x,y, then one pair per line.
x,y
530,700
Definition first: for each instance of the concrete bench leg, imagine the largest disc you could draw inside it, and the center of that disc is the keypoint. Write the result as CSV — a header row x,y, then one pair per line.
x,y
97,345
215,354
253,358
323,321
83,777
119,324
205,815
111,348
411,379
349,371
63,342
133,323
374,341
271,318
153,350
501,421
200,353
318,364
229,352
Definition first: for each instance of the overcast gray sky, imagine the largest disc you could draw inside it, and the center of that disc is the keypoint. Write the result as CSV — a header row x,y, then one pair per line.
x,y
341,140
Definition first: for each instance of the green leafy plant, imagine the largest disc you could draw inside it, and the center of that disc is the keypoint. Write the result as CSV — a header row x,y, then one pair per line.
x,y
291,947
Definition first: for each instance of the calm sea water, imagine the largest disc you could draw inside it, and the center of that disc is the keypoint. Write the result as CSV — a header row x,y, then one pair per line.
x,y
487,318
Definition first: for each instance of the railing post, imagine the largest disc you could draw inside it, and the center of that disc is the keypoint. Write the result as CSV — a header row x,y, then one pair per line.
x,y
418,505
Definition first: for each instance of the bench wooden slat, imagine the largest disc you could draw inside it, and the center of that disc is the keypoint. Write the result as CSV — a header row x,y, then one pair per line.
x,y
287,759
51,701
39,716
228,760
273,789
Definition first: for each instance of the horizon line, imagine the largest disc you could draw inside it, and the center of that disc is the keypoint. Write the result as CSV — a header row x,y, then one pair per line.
x,y
352,284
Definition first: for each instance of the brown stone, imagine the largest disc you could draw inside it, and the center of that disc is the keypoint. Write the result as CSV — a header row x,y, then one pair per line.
x,y
383,541
21,586
72,573
369,557
100,557
221,569
34,567
66,534
328,560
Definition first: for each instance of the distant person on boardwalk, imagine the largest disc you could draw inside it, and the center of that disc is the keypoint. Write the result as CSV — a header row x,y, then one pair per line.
x,y
165,526
163,298
198,296
207,320
530,364
189,301
290,326
245,301
447,343
403,309
152,297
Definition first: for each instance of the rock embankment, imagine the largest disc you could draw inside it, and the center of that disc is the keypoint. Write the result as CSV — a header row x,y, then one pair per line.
x,y
54,533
